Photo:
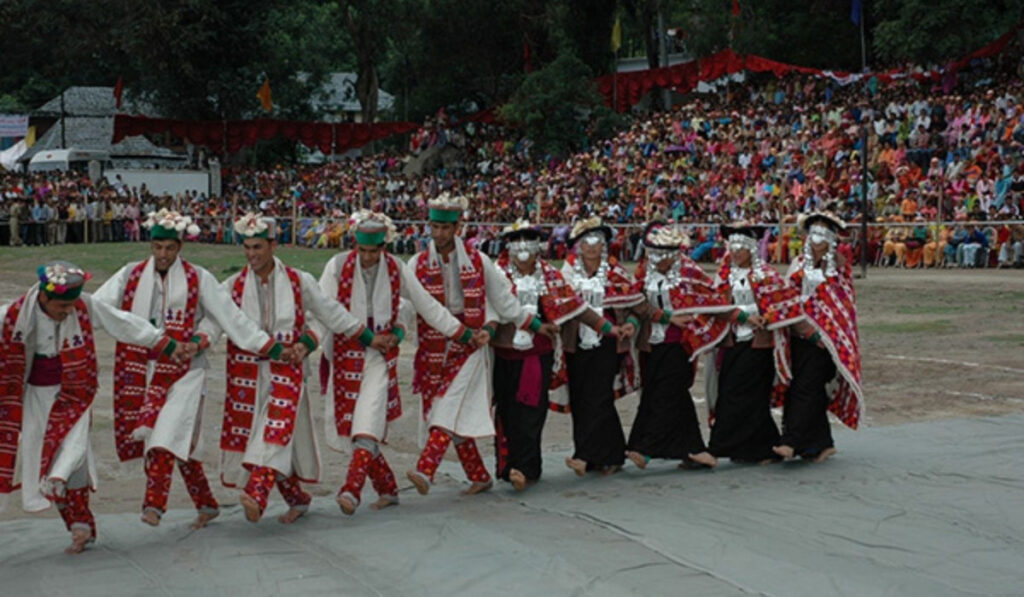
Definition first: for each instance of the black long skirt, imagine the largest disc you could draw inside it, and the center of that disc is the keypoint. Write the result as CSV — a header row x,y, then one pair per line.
x,y
744,429
520,426
666,423
805,425
596,429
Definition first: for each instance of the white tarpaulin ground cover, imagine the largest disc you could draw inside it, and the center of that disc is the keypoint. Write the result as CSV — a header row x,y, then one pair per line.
x,y
925,509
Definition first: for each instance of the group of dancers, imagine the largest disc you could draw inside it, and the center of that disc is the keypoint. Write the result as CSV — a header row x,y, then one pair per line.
x,y
499,344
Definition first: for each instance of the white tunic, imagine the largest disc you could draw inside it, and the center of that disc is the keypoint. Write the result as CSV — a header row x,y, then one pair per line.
x,y
179,424
465,408
301,456
371,299
73,463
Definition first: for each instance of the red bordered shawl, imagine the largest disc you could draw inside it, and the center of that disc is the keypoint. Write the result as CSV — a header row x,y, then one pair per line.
x,y
136,404
243,371
620,289
350,354
437,361
777,302
832,311
78,383
695,295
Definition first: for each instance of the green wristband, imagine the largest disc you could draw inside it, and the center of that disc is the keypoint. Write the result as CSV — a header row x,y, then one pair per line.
x,y
535,324
634,321
275,351
171,347
308,342
466,336
742,317
399,332
606,328
366,337
666,318
491,331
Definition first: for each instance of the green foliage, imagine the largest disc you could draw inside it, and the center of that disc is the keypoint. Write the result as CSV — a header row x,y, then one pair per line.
x,y
553,104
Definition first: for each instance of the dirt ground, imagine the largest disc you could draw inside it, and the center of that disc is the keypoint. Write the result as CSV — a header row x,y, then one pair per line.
x,y
936,344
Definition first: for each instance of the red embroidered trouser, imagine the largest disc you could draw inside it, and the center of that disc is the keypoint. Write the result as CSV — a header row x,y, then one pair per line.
x,y
160,467
261,482
358,468
73,507
383,478
469,456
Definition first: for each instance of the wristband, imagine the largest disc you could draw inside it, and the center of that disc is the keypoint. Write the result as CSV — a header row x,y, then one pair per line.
x,y
308,342
606,328
491,331
466,336
742,317
535,324
171,347
399,332
366,337
275,352
634,321
665,318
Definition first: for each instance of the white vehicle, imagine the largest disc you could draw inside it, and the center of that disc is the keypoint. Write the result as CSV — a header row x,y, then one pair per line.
x,y
68,159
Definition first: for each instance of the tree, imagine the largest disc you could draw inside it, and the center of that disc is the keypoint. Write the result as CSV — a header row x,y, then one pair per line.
x,y
367,24
554,103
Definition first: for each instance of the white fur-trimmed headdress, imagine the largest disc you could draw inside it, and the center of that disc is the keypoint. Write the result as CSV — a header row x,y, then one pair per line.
x,y
167,224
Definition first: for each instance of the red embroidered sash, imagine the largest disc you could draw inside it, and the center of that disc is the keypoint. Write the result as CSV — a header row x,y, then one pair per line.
x,y
437,361
350,354
833,312
243,371
561,302
136,404
79,380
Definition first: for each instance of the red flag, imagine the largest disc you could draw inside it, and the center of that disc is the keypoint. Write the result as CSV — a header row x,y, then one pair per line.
x,y
118,90
736,7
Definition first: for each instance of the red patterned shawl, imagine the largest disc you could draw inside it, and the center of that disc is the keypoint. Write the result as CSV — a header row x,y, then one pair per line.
x,y
833,313
135,404
243,371
350,354
78,383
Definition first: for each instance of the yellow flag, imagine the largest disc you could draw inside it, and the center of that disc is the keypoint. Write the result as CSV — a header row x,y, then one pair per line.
x,y
264,95
617,35
30,137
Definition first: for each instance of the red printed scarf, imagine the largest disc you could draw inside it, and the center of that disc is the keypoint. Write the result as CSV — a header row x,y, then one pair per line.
x,y
243,371
136,404
696,295
78,383
350,354
437,362
832,311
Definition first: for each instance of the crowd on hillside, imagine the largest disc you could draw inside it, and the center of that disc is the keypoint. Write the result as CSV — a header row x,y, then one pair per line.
x,y
767,151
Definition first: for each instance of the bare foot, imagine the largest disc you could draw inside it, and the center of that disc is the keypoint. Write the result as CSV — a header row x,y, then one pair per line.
x,y
79,539
825,454
786,452
291,515
204,519
637,458
611,470
701,460
151,517
518,479
478,487
251,507
578,466
419,481
385,501
347,503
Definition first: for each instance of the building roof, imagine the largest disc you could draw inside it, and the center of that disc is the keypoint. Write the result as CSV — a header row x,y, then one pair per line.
x,y
338,94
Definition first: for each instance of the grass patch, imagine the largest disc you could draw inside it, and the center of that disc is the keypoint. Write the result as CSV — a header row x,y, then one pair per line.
x,y
937,326
1006,339
928,309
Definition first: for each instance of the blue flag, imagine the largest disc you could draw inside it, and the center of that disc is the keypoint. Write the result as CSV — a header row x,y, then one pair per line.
x,y
855,10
